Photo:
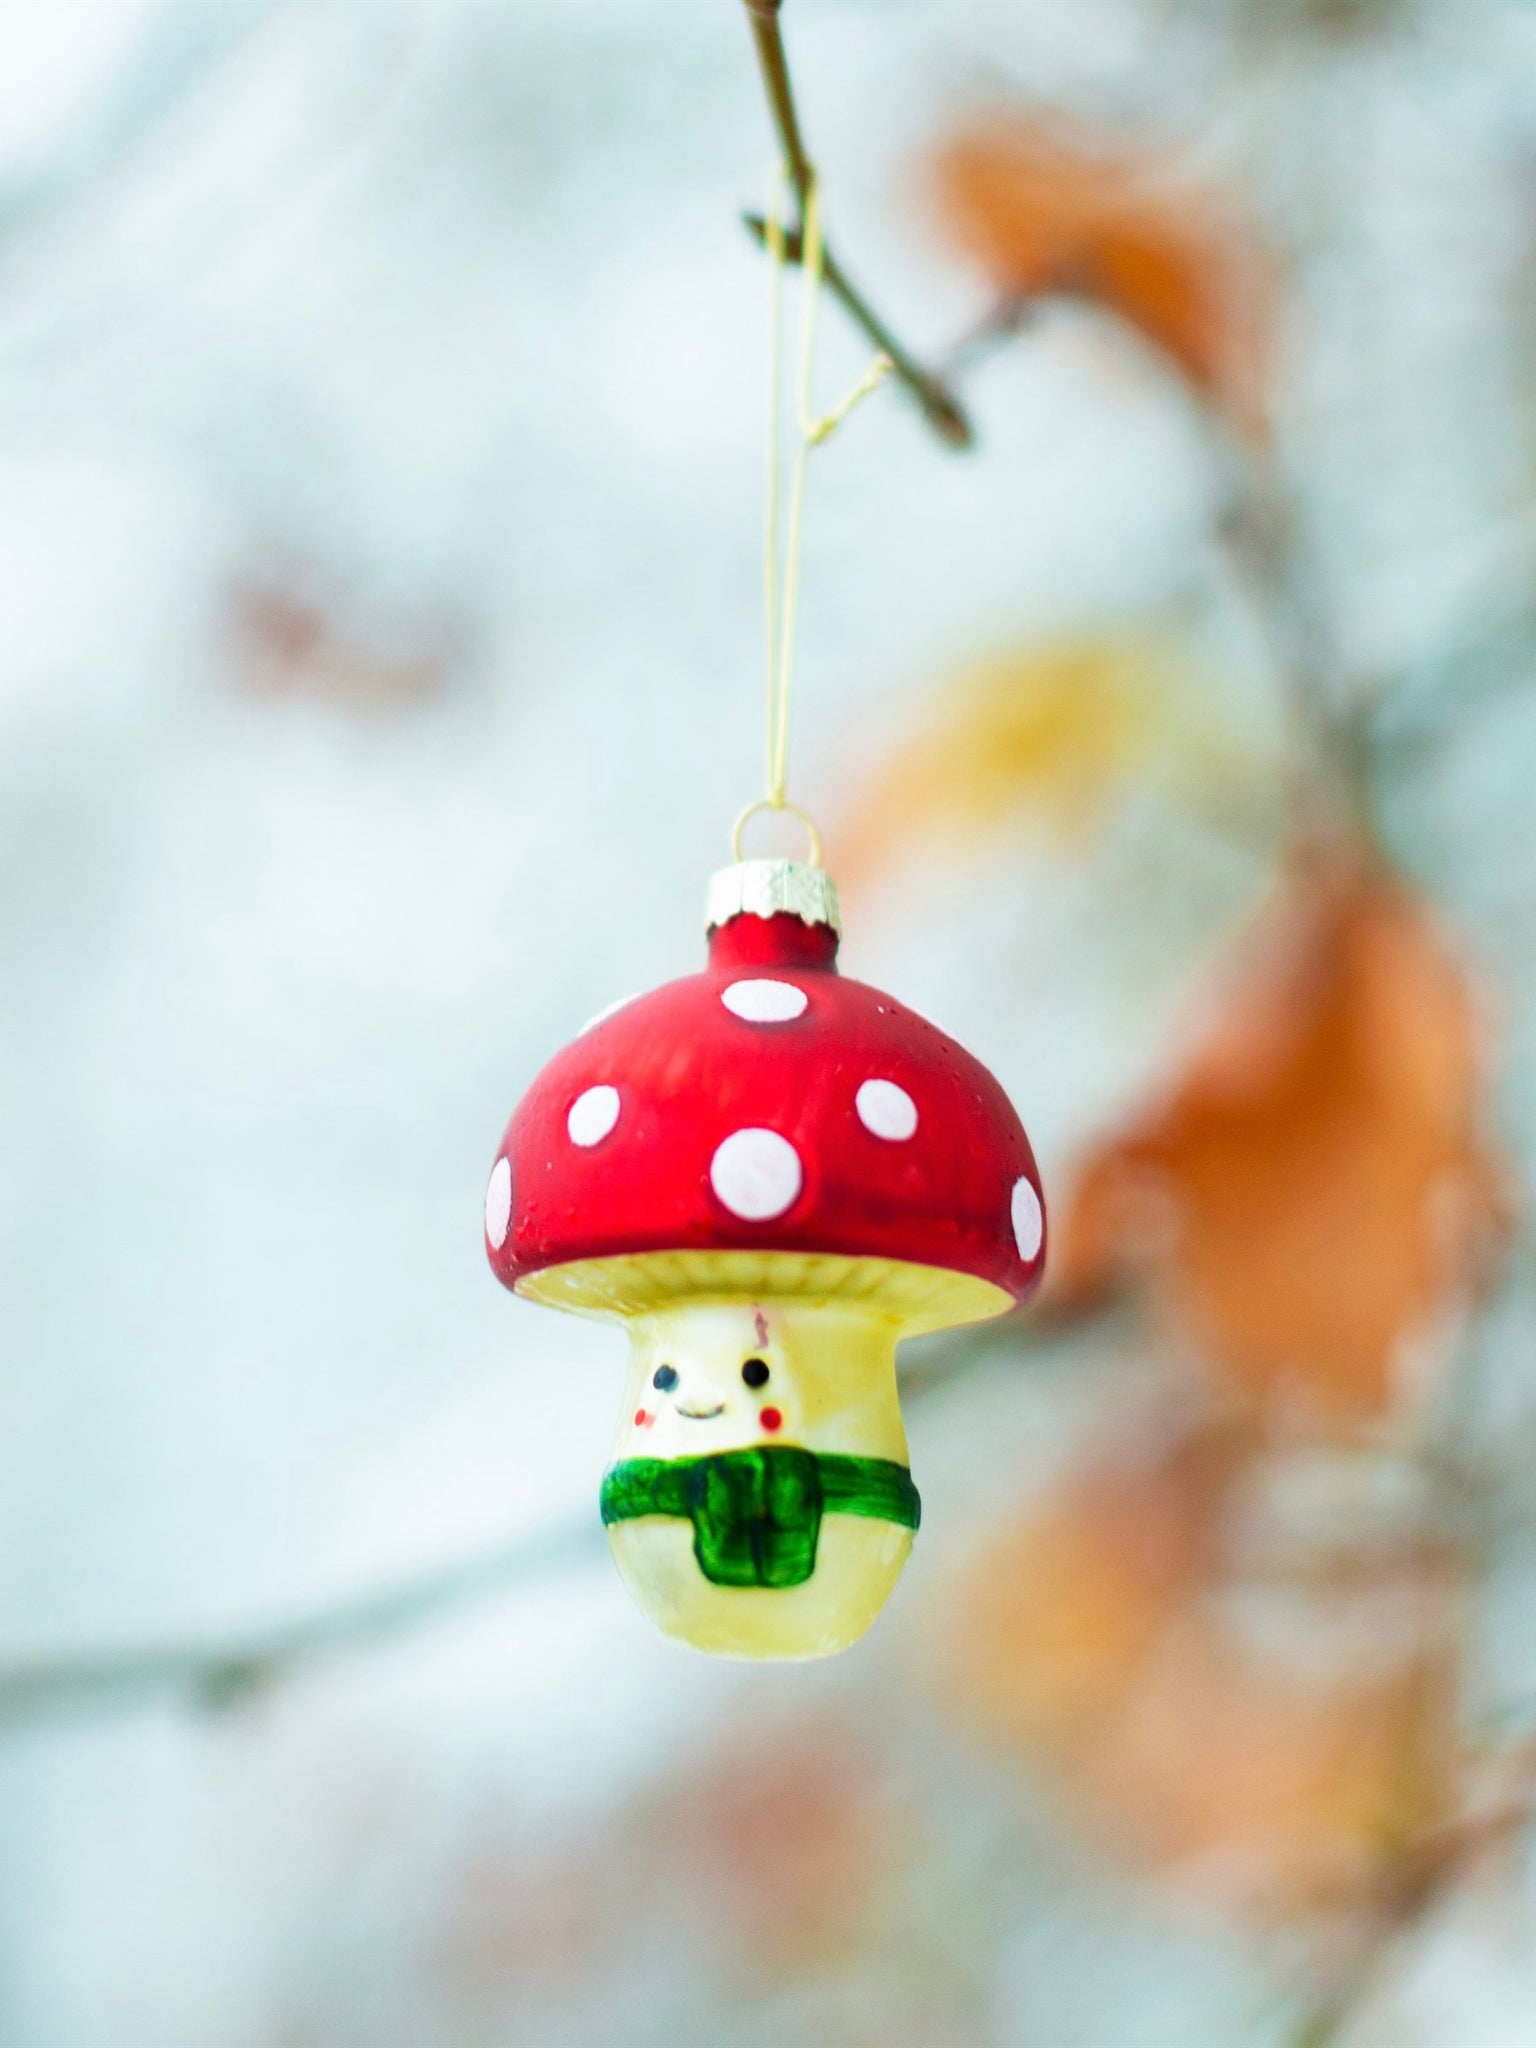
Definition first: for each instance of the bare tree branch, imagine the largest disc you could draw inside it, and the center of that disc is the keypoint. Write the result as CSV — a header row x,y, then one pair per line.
x,y
215,1675
941,408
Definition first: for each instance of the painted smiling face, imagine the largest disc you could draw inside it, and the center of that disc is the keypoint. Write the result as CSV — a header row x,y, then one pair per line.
x,y
720,1379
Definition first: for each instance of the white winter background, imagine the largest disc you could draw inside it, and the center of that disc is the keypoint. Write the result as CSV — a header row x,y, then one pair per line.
x,y
381,426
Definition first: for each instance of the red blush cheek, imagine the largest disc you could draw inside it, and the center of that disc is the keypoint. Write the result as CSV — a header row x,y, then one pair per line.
x,y
771,1419
642,1420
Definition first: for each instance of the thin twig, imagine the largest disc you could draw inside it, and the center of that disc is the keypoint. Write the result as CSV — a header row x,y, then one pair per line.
x,y
1259,531
999,324
1439,1861
214,1675
1328,2016
941,408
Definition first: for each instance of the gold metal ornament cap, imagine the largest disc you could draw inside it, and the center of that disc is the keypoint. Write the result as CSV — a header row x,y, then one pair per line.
x,y
764,888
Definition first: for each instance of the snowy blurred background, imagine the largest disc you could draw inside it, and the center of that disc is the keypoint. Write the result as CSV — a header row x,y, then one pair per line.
x,y
381,403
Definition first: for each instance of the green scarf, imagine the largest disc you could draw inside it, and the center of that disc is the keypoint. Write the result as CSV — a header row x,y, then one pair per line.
x,y
756,1514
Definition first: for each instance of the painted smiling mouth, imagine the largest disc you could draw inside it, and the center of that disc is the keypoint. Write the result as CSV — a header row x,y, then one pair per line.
x,y
701,1414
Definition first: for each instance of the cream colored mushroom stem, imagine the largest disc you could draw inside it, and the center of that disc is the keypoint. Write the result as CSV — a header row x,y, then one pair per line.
x,y
760,1504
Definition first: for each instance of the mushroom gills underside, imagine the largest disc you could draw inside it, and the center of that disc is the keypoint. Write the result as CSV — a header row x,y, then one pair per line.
x,y
915,1298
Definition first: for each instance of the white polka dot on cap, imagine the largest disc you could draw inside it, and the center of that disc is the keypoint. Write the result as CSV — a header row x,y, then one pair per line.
x,y
765,1002
756,1174
1028,1218
885,1110
498,1203
593,1115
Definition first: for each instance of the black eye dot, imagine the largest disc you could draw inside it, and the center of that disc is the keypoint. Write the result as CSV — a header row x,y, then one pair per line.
x,y
755,1372
665,1377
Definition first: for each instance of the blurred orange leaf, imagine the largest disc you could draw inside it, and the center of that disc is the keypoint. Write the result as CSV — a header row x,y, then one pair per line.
x,y
1063,1605
1312,1192
1049,211
1101,1633
1058,732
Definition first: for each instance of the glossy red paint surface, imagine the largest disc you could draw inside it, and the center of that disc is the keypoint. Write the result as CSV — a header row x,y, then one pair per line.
x,y
688,1073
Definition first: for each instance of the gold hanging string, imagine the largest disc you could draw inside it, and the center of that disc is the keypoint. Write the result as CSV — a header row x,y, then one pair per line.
x,y
773,467
781,597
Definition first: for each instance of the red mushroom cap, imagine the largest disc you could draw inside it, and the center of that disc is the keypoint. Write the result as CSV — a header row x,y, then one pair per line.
x,y
768,1105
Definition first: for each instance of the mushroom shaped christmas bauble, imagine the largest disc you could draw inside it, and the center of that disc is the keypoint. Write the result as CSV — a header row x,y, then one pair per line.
x,y
771,1175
